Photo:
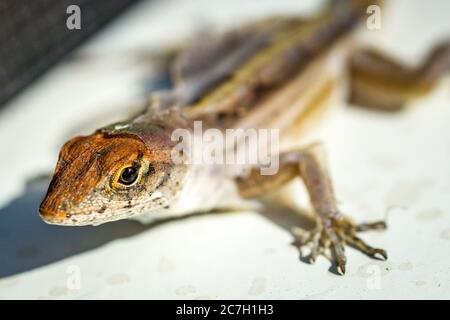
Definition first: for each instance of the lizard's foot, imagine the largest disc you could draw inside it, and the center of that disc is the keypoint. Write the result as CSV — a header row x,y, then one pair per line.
x,y
331,235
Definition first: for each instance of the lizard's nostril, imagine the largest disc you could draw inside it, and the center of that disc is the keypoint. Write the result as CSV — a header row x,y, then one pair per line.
x,y
64,205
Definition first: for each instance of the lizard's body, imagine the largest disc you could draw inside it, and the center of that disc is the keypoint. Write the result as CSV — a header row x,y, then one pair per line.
x,y
272,74
303,99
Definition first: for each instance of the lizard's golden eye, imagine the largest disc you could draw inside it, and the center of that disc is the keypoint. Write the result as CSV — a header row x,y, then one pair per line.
x,y
129,175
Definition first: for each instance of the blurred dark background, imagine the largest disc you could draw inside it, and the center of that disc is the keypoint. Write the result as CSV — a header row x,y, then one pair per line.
x,y
34,36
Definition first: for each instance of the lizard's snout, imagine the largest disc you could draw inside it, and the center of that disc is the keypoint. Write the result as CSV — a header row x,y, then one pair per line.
x,y
52,211
59,211
52,217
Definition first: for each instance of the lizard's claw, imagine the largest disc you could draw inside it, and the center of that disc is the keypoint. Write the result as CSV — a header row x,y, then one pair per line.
x,y
331,235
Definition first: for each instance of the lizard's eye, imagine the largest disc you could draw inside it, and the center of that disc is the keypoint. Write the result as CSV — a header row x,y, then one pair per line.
x,y
126,176
129,175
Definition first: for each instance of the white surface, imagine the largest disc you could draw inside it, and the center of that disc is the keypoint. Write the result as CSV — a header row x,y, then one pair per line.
x,y
377,161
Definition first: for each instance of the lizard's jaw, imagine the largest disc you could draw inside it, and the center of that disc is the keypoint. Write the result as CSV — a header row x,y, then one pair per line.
x,y
57,209
62,219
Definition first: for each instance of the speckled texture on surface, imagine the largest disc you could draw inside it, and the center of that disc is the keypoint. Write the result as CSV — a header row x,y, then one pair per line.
x,y
396,164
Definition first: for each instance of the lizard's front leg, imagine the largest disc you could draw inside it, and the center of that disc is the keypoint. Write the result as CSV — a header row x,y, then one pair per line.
x,y
333,230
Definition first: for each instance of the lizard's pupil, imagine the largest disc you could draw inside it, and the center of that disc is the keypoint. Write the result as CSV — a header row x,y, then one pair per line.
x,y
128,175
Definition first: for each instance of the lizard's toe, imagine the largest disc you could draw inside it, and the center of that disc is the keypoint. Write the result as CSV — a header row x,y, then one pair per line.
x,y
332,236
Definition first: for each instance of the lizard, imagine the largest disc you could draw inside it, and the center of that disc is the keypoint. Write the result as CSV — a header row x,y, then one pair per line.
x,y
267,74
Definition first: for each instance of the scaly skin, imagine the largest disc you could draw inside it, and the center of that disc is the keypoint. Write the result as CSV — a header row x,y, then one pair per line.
x,y
262,60
243,79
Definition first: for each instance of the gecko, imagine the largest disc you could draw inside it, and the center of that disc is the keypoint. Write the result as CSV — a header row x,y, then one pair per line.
x,y
271,73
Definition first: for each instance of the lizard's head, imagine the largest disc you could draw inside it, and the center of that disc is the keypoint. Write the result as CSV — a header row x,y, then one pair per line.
x,y
100,178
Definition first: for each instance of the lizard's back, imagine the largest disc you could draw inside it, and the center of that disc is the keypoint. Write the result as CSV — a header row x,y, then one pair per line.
x,y
273,74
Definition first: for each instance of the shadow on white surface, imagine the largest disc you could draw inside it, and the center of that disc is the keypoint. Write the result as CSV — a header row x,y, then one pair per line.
x,y
28,243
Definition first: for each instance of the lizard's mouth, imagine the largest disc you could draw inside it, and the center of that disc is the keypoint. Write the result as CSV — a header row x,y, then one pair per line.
x,y
62,218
